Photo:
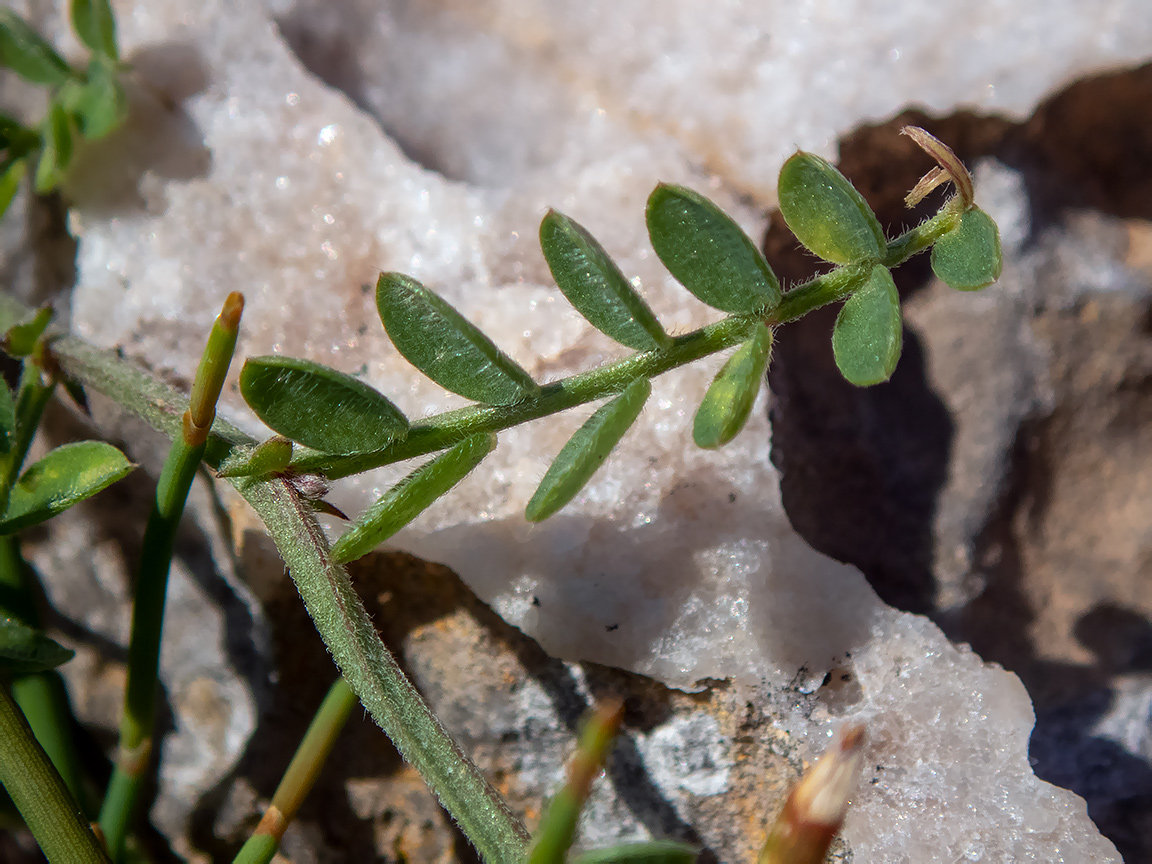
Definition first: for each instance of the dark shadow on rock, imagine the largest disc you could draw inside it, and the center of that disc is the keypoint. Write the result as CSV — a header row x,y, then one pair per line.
x,y
159,137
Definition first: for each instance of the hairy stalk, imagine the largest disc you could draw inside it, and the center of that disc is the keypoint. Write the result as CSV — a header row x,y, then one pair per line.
x,y
39,793
301,774
136,726
372,672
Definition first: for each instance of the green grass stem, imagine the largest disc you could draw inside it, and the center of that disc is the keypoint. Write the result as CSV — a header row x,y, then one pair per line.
x,y
49,810
136,726
301,775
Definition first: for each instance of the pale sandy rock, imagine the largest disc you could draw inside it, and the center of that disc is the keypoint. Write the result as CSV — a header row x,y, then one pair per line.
x,y
677,563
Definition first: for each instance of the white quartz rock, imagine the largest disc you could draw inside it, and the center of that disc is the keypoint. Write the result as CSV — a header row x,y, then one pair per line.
x,y
675,562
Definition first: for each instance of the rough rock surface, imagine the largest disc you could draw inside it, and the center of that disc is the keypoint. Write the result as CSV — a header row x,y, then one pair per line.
x,y
262,178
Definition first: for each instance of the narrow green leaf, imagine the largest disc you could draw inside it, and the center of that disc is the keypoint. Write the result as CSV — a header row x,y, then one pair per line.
x,y
21,339
650,852
11,173
28,54
25,651
320,407
586,451
411,497
708,253
438,341
826,213
95,25
594,284
65,476
968,258
7,418
729,399
868,333
268,458
56,154
99,104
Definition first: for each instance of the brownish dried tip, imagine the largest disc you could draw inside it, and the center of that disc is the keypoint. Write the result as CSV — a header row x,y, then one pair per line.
x,y
815,809
597,738
230,314
951,169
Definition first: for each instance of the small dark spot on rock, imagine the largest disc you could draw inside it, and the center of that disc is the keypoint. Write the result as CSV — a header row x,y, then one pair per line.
x,y
612,627
731,497
535,600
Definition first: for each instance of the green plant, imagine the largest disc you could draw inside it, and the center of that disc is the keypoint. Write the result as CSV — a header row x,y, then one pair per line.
x,y
332,425
86,102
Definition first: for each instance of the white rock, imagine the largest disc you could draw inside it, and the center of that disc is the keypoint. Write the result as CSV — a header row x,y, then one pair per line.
x,y
304,200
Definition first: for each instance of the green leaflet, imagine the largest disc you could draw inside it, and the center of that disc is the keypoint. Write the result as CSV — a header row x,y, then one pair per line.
x,y
650,852
411,496
25,651
586,450
65,476
99,104
968,257
56,154
21,339
28,54
826,213
95,25
729,399
11,173
708,253
438,341
594,284
320,407
867,337
267,458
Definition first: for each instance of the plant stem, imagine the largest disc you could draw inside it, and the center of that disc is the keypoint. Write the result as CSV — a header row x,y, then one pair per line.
x,y
301,775
136,726
39,793
373,673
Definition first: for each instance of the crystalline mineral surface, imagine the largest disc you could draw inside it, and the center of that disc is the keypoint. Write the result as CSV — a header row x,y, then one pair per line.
x,y
455,129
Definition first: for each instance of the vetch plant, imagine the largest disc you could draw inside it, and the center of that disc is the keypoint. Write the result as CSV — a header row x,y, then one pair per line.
x,y
88,103
330,425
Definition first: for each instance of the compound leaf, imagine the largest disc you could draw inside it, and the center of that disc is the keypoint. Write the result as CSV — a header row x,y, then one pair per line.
x,y
28,54
411,497
65,476
593,283
968,257
318,406
438,341
867,337
95,24
25,651
826,213
708,253
729,399
586,451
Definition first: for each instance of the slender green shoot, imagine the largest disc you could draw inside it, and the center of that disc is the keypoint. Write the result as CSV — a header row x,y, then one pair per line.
x,y
557,829
179,470
39,793
301,775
